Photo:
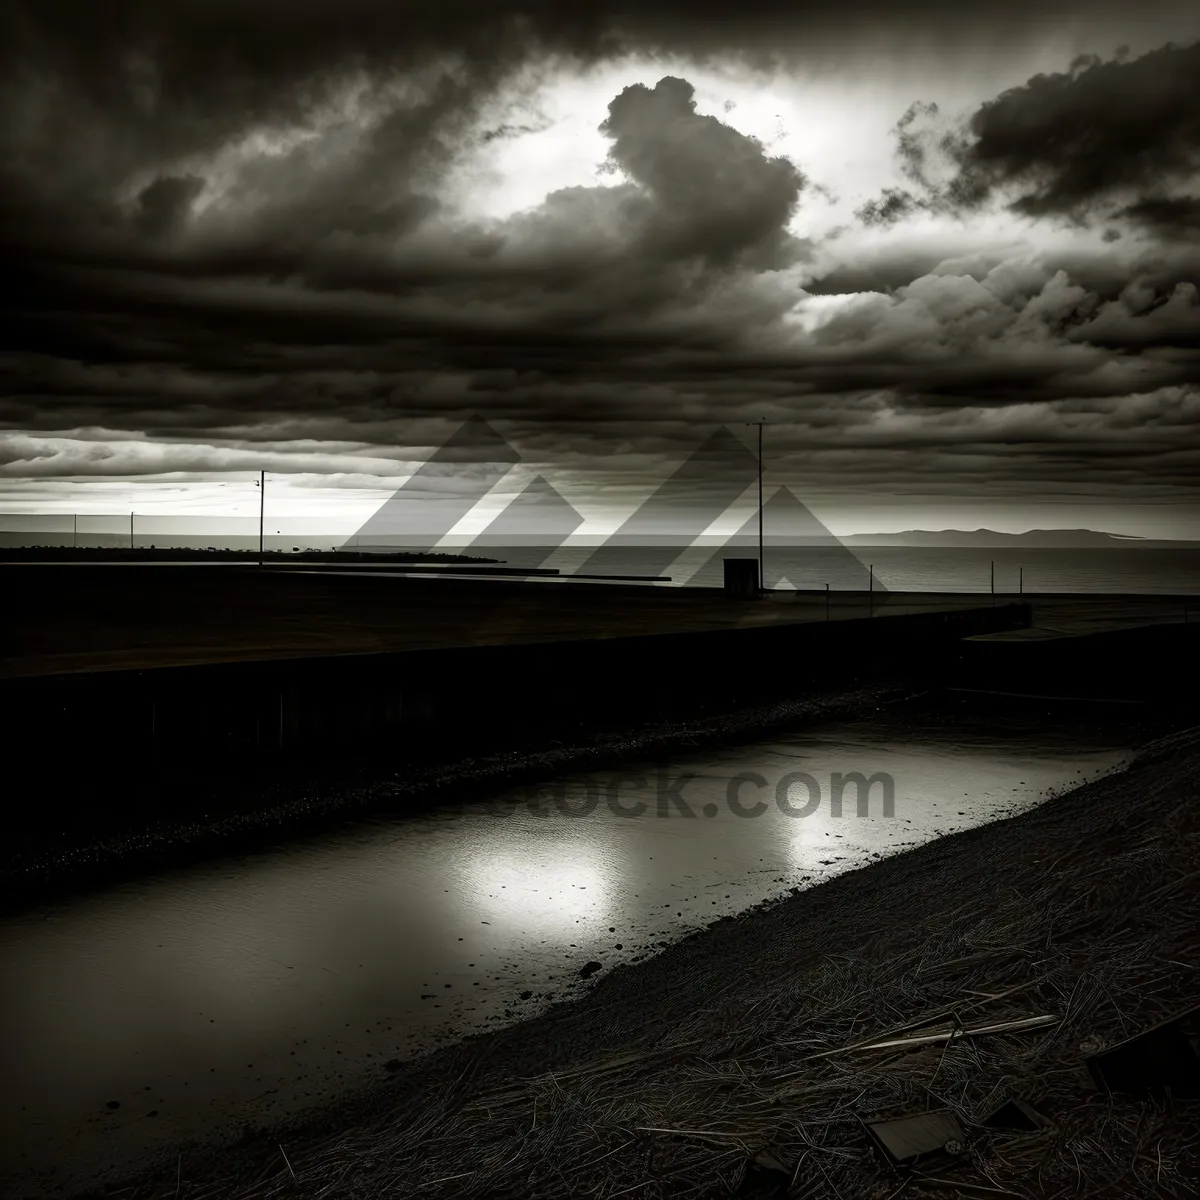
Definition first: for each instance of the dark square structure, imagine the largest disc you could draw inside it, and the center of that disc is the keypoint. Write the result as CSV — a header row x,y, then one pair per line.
x,y
741,578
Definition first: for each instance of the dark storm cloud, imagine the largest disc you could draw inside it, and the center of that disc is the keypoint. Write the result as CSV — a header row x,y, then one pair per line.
x,y
1177,216
699,191
165,205
1101,130
225,225
702,198
1080,143
95,94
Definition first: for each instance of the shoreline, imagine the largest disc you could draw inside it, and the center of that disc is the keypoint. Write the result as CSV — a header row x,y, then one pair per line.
x,y
706,1043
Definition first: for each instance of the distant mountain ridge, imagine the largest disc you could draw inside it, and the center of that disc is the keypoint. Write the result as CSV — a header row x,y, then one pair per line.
x,y
1073,539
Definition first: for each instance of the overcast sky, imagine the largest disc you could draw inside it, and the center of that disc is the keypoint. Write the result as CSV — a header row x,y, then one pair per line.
x,y
949,252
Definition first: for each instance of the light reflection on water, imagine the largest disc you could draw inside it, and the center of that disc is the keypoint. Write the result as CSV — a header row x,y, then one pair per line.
x,y
237,991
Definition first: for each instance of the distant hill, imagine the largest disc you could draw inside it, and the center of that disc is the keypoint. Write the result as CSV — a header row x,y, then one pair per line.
x,y
1058,539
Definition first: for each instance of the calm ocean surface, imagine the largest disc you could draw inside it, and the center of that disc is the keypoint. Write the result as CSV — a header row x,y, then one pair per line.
x,y
909,569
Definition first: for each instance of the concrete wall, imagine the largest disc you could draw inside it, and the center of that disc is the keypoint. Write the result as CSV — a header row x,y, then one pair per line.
x,y
474,698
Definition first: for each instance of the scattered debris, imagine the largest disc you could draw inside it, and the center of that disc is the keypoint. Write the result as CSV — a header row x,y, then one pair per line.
x,y
962,1188
1016,1116
765,1178
1163,1058
907,1140
955,1030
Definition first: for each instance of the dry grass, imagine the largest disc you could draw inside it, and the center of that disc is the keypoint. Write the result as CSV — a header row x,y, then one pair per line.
x,y
1087,910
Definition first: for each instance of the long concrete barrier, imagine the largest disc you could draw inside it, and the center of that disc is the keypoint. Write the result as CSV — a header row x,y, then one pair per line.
x,y
474,696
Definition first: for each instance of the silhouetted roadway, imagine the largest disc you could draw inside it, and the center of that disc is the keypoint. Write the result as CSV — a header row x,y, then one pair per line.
x,y
95,618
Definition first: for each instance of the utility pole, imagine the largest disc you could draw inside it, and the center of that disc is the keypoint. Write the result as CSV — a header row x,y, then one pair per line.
x,y
871,588
74,530
992,585
262,502
131,531
762,575
762,565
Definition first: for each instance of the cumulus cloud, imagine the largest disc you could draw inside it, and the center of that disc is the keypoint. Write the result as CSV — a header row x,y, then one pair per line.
x,y
1104,139
716,193
1141,318
1070,141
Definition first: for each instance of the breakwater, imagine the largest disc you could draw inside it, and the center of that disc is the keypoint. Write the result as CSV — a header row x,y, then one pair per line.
x,y
476,695
140,767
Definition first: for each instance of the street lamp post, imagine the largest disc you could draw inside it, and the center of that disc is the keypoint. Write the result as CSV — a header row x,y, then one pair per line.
x,y
762,574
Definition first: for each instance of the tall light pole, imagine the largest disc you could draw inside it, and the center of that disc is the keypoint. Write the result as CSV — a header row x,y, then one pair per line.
x,y
262,501
762,576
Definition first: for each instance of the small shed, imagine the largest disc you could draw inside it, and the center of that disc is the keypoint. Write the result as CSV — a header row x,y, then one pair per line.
x,y
741,578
